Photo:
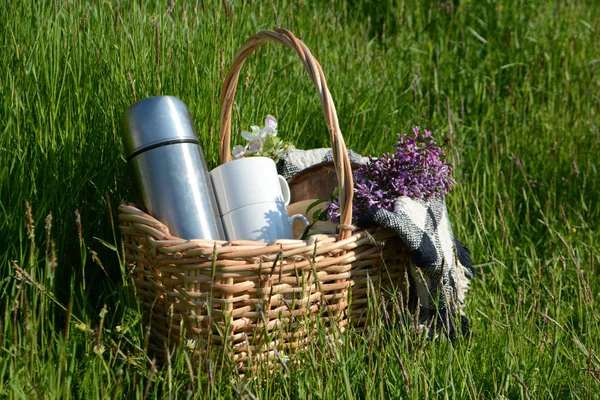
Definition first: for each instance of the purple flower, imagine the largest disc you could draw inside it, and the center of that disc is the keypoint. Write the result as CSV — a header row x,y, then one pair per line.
x,y
417,169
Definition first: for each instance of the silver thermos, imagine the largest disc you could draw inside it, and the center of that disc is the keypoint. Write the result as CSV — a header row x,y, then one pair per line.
x,y
169,168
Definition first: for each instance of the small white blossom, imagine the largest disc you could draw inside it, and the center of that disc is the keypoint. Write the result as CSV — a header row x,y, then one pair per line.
x,y
99,349
191,344
262,142
256,134
270,125
254,146
238,152
283,357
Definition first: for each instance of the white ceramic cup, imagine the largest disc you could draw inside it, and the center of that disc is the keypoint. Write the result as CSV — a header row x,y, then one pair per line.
x,y
264,222
252,200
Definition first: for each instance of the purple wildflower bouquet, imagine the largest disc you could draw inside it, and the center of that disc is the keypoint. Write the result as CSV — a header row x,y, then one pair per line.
x,y
417,170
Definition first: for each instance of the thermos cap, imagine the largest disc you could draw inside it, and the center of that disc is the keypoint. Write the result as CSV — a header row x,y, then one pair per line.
x,y
154,122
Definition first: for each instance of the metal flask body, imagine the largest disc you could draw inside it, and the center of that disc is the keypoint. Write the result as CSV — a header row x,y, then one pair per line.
x,y
169,167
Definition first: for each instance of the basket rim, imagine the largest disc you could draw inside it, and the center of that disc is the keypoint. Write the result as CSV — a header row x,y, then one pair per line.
x,y
158,234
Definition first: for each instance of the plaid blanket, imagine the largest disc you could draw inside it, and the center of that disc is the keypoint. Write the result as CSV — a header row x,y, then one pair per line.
x,y
441,265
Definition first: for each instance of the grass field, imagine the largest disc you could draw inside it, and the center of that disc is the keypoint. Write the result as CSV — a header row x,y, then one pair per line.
x,y
512,86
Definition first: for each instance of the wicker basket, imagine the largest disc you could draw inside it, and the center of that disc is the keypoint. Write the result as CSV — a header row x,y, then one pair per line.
x,y
249,300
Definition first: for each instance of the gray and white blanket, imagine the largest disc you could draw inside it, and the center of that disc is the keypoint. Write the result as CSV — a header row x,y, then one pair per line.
x,y
441,265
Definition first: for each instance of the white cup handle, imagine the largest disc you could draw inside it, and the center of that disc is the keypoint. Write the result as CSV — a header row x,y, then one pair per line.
x,y
285,190
301,217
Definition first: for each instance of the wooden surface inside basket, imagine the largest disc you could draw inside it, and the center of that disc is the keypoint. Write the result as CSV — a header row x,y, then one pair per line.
x,y
251,301
316,182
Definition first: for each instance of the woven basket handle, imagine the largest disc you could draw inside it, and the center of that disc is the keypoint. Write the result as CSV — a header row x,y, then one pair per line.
x,y
312,66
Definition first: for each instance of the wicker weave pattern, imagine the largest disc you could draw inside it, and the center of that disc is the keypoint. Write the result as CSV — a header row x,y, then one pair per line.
x,y
252,299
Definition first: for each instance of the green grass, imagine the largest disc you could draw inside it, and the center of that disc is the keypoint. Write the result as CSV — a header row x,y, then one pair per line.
x,y
514,88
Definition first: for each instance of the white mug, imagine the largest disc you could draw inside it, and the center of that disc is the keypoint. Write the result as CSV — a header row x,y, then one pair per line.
x,y
252,200
263,222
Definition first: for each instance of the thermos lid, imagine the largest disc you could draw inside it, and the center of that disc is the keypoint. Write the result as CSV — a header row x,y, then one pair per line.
x,y
154,122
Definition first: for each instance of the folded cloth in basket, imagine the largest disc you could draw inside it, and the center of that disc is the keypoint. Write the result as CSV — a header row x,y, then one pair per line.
x,y
441,265
296,161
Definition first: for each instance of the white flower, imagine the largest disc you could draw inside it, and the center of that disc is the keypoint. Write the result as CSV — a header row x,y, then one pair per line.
x,y
283,357
254,146
270,125
259,134
256,134
257,139
99,349
238,152
191,344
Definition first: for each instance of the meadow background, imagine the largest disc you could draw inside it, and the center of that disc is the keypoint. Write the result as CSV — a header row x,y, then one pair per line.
x,y
511,86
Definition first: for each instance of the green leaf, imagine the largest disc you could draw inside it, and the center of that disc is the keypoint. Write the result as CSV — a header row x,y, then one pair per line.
x,y
105,243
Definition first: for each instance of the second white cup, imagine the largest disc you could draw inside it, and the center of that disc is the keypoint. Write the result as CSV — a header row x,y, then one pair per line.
x,y
261,222
252,200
